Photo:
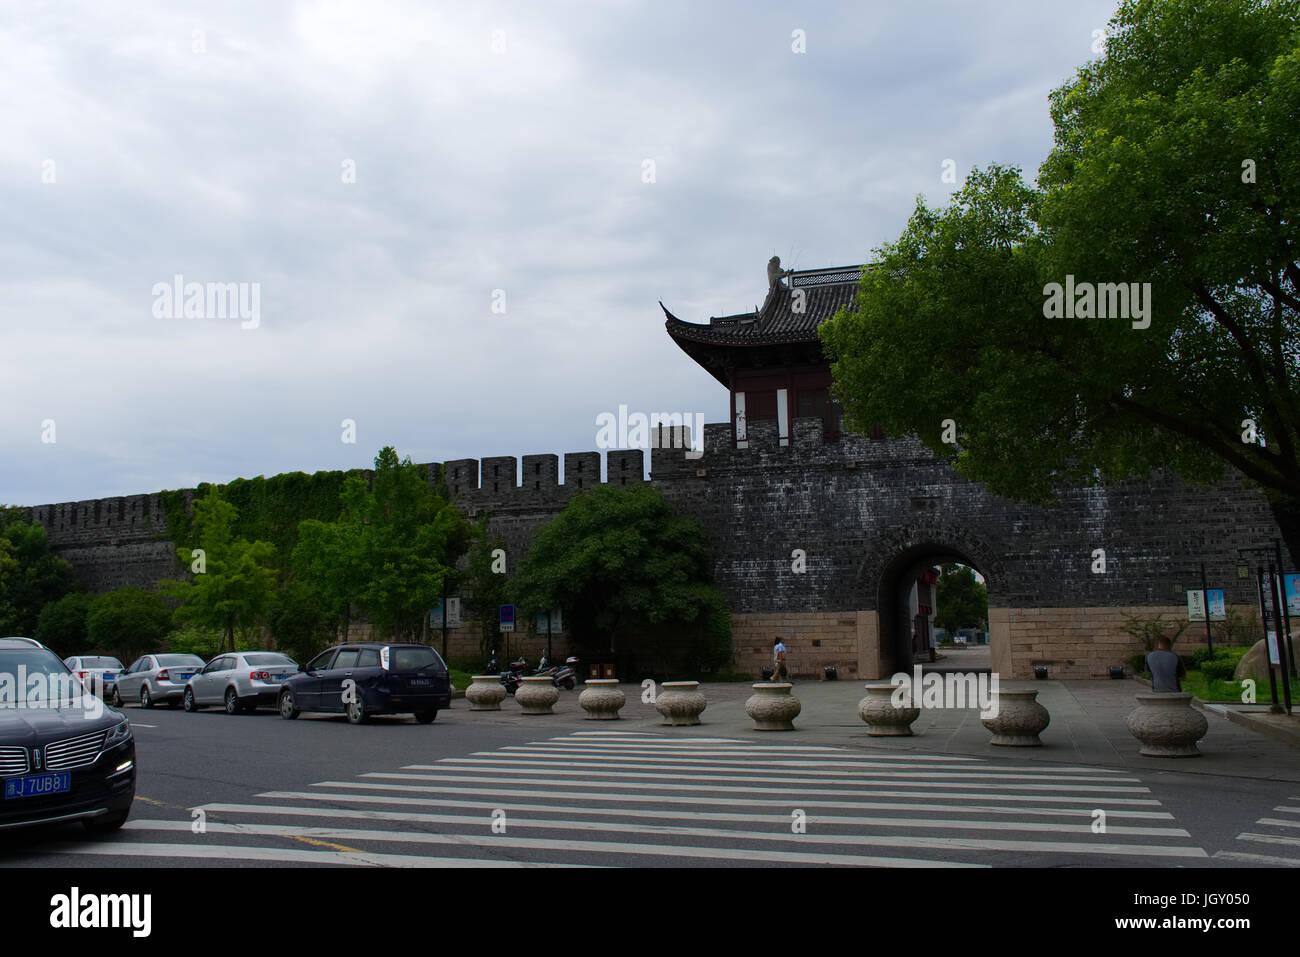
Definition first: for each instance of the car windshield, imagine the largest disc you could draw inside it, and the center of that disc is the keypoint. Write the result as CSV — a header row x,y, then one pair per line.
x,y
261,661
35,678
101,663
180,661
415,659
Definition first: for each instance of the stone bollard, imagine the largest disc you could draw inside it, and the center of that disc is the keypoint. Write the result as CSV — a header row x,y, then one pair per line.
x,y
772,707
602,699
486,693
536,694
882,716
680,702
1167,725
1019,720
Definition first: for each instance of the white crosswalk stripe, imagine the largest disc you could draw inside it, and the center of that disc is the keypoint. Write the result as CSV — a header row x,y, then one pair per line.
x,y
600,798
1280,837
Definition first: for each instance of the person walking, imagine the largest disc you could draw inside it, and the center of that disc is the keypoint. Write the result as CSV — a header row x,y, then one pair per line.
x,y
1166,668
779,672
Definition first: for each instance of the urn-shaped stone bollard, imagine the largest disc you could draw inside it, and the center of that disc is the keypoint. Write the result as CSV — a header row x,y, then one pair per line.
x,y
1019,720
882,716
772,707
602,699
1167,725
680,702
536,695
486,693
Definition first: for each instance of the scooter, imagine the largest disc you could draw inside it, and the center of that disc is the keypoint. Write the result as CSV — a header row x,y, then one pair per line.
x,y
561,676
512,678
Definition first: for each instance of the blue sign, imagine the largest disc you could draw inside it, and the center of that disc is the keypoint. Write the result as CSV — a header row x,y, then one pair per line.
x,y
507,618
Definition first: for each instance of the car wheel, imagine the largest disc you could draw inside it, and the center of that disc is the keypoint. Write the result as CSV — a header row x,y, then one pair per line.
x,y
117,698
189,702
106,823
426,717
356,711
288,707
146,700
232,702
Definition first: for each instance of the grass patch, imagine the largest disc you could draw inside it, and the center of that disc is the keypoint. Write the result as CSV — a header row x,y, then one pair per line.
x,y
460,680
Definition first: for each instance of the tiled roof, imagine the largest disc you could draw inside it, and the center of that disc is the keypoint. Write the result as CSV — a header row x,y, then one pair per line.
x,y
823,292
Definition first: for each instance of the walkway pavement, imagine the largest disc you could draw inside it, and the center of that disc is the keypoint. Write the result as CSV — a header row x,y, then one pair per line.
x,y
1088,727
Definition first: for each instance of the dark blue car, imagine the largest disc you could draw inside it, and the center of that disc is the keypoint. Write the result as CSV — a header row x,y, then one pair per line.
x,y
64,754
361,679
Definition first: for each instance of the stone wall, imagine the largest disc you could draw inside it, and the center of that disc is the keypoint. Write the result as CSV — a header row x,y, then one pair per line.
x,y
863,513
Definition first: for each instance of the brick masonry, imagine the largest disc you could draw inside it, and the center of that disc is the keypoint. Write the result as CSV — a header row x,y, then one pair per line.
x,y
866,513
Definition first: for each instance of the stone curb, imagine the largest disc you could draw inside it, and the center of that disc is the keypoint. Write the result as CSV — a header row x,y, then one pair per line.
x,y
1253,721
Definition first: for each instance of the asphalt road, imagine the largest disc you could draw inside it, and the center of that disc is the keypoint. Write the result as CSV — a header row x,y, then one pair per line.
x,y
506,790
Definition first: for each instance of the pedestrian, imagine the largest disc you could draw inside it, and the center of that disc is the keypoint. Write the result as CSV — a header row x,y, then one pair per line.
x,y
779,672
1166,668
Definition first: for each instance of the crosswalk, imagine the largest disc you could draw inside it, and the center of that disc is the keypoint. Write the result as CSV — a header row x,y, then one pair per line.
x,y
1275,842
607,798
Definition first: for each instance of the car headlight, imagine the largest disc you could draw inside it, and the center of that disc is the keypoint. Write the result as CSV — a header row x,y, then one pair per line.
x,y
118,734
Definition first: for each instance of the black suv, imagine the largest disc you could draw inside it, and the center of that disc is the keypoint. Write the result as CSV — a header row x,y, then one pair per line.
x,y
64,754
360,679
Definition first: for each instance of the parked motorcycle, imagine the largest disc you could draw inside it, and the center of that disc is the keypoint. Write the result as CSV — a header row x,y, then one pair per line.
x,y
562,676
513,677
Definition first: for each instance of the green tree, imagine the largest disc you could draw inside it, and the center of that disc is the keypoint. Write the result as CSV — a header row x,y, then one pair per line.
x,y
30,574
389,550
128,622
487,588
1176,162
960,600
629,574
62,625
233,585
300,625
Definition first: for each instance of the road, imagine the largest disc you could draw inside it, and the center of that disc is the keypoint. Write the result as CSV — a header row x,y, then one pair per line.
x,y
502,790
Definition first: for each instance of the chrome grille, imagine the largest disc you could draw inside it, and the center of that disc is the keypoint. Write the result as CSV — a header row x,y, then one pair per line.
x,y
13,760
74,752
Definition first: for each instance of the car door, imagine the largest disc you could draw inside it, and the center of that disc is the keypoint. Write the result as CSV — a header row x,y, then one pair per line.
x,y
331,683
207,688
306,689
129,684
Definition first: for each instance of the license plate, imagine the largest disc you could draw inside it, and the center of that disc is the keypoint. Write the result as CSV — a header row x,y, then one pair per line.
x,y
280,677
186,676
35,785
109,679
420,681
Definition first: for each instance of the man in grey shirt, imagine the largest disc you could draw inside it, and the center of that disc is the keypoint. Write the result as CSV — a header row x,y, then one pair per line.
x,y
1165,668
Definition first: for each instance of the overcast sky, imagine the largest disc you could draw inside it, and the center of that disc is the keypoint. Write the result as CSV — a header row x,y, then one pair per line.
x,y
384,173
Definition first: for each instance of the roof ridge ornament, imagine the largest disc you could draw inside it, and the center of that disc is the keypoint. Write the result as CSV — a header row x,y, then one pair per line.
x,y
775,273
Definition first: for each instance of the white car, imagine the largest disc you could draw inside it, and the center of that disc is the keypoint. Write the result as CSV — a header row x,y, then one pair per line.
x,y
240,681
88,668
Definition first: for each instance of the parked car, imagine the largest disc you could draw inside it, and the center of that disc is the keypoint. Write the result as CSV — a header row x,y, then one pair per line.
x,y
361,679
241,681
155,678
91,667
66,759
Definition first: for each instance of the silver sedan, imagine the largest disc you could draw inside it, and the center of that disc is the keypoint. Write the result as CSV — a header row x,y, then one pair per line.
x,y
240,681
155,678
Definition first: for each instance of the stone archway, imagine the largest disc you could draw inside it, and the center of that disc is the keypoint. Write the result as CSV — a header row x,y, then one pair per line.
x,y
886,577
